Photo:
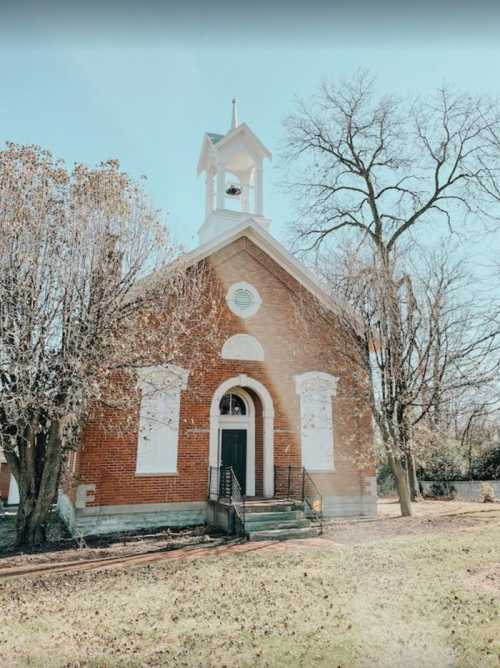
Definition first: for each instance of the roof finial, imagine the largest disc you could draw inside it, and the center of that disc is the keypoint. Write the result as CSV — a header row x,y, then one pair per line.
x,y
234,120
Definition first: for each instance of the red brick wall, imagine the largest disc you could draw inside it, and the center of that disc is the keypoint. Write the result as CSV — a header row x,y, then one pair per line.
x,y
108,456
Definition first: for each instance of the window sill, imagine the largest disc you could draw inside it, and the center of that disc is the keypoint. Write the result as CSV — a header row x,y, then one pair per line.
x,y
157,474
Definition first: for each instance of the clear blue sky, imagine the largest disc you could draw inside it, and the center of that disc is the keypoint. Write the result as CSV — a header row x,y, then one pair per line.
x,y
90,95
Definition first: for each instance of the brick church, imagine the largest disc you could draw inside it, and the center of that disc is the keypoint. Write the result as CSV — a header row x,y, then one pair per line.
x,y
260,426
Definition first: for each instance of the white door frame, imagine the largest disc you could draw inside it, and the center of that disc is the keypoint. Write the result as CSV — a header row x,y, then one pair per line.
x,y
246,423
235,384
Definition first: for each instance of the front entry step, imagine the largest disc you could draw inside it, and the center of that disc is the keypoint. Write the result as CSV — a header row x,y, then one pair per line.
x,y
276,519
284,534
271,517
253,527
252,507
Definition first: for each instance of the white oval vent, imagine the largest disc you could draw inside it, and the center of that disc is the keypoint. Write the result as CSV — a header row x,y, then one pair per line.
x,y
243,299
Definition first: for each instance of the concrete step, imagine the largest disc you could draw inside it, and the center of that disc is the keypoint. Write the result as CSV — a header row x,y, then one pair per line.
x,y
276,524
266,507
280,516
284,534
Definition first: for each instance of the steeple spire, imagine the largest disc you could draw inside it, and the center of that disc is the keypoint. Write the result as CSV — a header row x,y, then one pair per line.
x,y
234,119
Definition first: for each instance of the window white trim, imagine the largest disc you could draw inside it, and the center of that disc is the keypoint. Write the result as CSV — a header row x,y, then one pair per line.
x,y
246,312
158,433
243,347
316,389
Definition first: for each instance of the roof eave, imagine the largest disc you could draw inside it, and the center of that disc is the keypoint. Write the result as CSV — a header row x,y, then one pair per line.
x,y
243,126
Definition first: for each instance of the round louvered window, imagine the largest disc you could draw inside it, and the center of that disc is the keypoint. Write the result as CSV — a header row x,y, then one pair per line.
x,y
243,299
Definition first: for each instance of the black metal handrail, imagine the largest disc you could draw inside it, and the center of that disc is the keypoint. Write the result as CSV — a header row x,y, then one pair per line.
x,y
288,482
237,498
295,483
313,498
223,484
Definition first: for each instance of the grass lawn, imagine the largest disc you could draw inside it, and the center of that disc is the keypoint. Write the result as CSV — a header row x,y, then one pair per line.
x,y
423,599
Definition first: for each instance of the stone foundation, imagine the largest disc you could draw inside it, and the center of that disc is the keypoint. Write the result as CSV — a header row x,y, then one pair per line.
x,y
349,506
98,520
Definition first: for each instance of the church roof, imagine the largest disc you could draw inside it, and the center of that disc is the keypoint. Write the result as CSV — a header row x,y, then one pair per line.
x,y
244,129
254,231
214,137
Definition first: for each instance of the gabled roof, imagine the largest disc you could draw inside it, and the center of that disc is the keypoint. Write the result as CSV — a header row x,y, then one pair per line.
x,y
212,140
214,137
243,127
254,231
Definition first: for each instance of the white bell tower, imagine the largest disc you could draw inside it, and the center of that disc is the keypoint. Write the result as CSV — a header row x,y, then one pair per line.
x,y
233,165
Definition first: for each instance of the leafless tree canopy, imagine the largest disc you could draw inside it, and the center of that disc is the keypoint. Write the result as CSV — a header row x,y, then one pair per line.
x,y
380,165
77,312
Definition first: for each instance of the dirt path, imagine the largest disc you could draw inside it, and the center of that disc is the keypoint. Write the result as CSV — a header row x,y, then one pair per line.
x,y
193,552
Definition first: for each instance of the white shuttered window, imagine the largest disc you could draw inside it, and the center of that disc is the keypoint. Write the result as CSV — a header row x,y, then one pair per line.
x,y
159,419
316,390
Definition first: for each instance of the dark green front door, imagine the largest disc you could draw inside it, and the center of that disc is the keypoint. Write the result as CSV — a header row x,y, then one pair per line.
x,y
234,453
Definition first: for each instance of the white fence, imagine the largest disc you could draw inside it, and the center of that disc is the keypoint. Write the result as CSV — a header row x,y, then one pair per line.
x,y
469,490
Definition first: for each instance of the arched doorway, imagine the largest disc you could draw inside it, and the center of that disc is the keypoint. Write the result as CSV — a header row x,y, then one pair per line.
x,y
237,436
222,420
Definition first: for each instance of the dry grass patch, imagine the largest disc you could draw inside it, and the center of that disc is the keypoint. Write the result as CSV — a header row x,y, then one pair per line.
x,y
430,517
405,601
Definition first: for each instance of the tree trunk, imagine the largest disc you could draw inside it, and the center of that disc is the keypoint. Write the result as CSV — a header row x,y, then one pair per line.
x,y
36,468
402,485
30,525
412,476
406,447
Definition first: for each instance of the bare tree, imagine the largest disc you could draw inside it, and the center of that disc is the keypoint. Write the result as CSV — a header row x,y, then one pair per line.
x,y
418,342
380,166
375,170
78,314
475,423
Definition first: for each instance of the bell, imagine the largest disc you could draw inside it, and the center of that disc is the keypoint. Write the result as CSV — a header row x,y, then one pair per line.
x,y
233,190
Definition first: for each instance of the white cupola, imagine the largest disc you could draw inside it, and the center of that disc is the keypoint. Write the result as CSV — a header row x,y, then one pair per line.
x,y
233,164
